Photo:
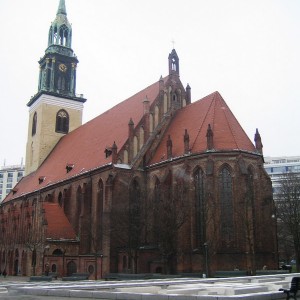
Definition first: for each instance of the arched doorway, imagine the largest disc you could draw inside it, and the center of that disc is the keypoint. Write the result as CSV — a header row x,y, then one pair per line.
x,y
16,267
16,263
71,268
24,263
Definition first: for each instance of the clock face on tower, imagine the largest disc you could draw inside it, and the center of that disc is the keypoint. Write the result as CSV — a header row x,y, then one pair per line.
x,y
62,67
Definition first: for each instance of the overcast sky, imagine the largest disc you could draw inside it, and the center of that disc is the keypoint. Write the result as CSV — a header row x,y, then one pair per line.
x,y
248,50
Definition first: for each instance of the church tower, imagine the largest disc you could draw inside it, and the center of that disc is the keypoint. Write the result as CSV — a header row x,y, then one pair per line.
x,y
56,109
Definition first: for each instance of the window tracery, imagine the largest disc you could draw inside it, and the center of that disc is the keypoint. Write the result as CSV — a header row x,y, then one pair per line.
x,y
225,188
200,206
62,122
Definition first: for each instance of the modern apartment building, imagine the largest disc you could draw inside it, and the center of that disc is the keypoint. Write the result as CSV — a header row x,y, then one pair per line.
x,y
9,176
277,166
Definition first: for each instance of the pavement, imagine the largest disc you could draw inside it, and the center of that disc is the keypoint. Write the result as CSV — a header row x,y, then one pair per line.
x,y
10,294
254,287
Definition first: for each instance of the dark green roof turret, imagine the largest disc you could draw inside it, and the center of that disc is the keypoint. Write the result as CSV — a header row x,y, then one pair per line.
x,y
60,32
58,66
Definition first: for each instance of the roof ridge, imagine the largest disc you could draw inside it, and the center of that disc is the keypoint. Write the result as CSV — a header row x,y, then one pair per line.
x,y
213,94
214,113
228,123
122,102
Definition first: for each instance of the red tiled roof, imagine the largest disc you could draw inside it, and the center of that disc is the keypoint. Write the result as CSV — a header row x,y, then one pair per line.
x,y
212,109
84,147
59,226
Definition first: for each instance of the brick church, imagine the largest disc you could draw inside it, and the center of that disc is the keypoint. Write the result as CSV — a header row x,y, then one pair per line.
x,y
156,184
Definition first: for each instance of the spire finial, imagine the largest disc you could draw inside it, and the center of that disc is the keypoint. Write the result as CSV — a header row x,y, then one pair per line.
x,y
209,138
62,8
258,143
173,43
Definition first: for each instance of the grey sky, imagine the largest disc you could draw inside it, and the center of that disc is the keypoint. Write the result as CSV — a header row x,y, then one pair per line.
x,y
248,50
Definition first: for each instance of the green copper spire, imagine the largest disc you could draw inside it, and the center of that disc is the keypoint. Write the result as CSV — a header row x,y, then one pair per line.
x,y
62,8
58,66
60,32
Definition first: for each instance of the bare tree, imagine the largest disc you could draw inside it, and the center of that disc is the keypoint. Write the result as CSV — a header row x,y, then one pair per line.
x,y
285,243
35,234
5,242
171,210
288,209
127,226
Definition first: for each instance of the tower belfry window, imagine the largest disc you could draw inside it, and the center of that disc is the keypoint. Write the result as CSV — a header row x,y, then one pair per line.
x,y
63,35
61,83
59,35
173,64
62,122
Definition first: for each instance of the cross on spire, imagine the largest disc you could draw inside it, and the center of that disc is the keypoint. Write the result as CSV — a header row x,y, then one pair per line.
x,y
173,43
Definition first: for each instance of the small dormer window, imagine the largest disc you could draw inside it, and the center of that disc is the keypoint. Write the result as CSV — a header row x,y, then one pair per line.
x,y
69,167
41,179
108,152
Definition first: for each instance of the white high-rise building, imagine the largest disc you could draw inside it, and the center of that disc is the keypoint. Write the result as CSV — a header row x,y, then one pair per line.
x,y
278,166
9,176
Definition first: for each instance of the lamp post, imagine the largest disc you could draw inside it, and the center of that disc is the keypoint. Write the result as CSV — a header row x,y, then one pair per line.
x,y
63,262
206,258
101,257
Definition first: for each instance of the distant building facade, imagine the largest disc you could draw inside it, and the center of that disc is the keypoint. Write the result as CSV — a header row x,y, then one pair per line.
x,y
276,167
9,177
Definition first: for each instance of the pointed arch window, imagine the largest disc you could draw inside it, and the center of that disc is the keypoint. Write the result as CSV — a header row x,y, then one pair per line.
x,y
156,116
142,136
135,146
61,83
100,198
63,35
151,125
34,123
125,157
250,186
165,103
135,215
200,207
250,207
60,199
156,210
174,64
59,35
226,203
78,210
62,122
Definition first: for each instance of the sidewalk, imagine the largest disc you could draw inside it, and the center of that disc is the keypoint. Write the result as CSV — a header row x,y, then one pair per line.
x,y
13,295
14,279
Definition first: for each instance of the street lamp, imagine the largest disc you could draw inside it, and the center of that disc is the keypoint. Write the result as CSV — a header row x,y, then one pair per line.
x,y
63,250
101,256
206,258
